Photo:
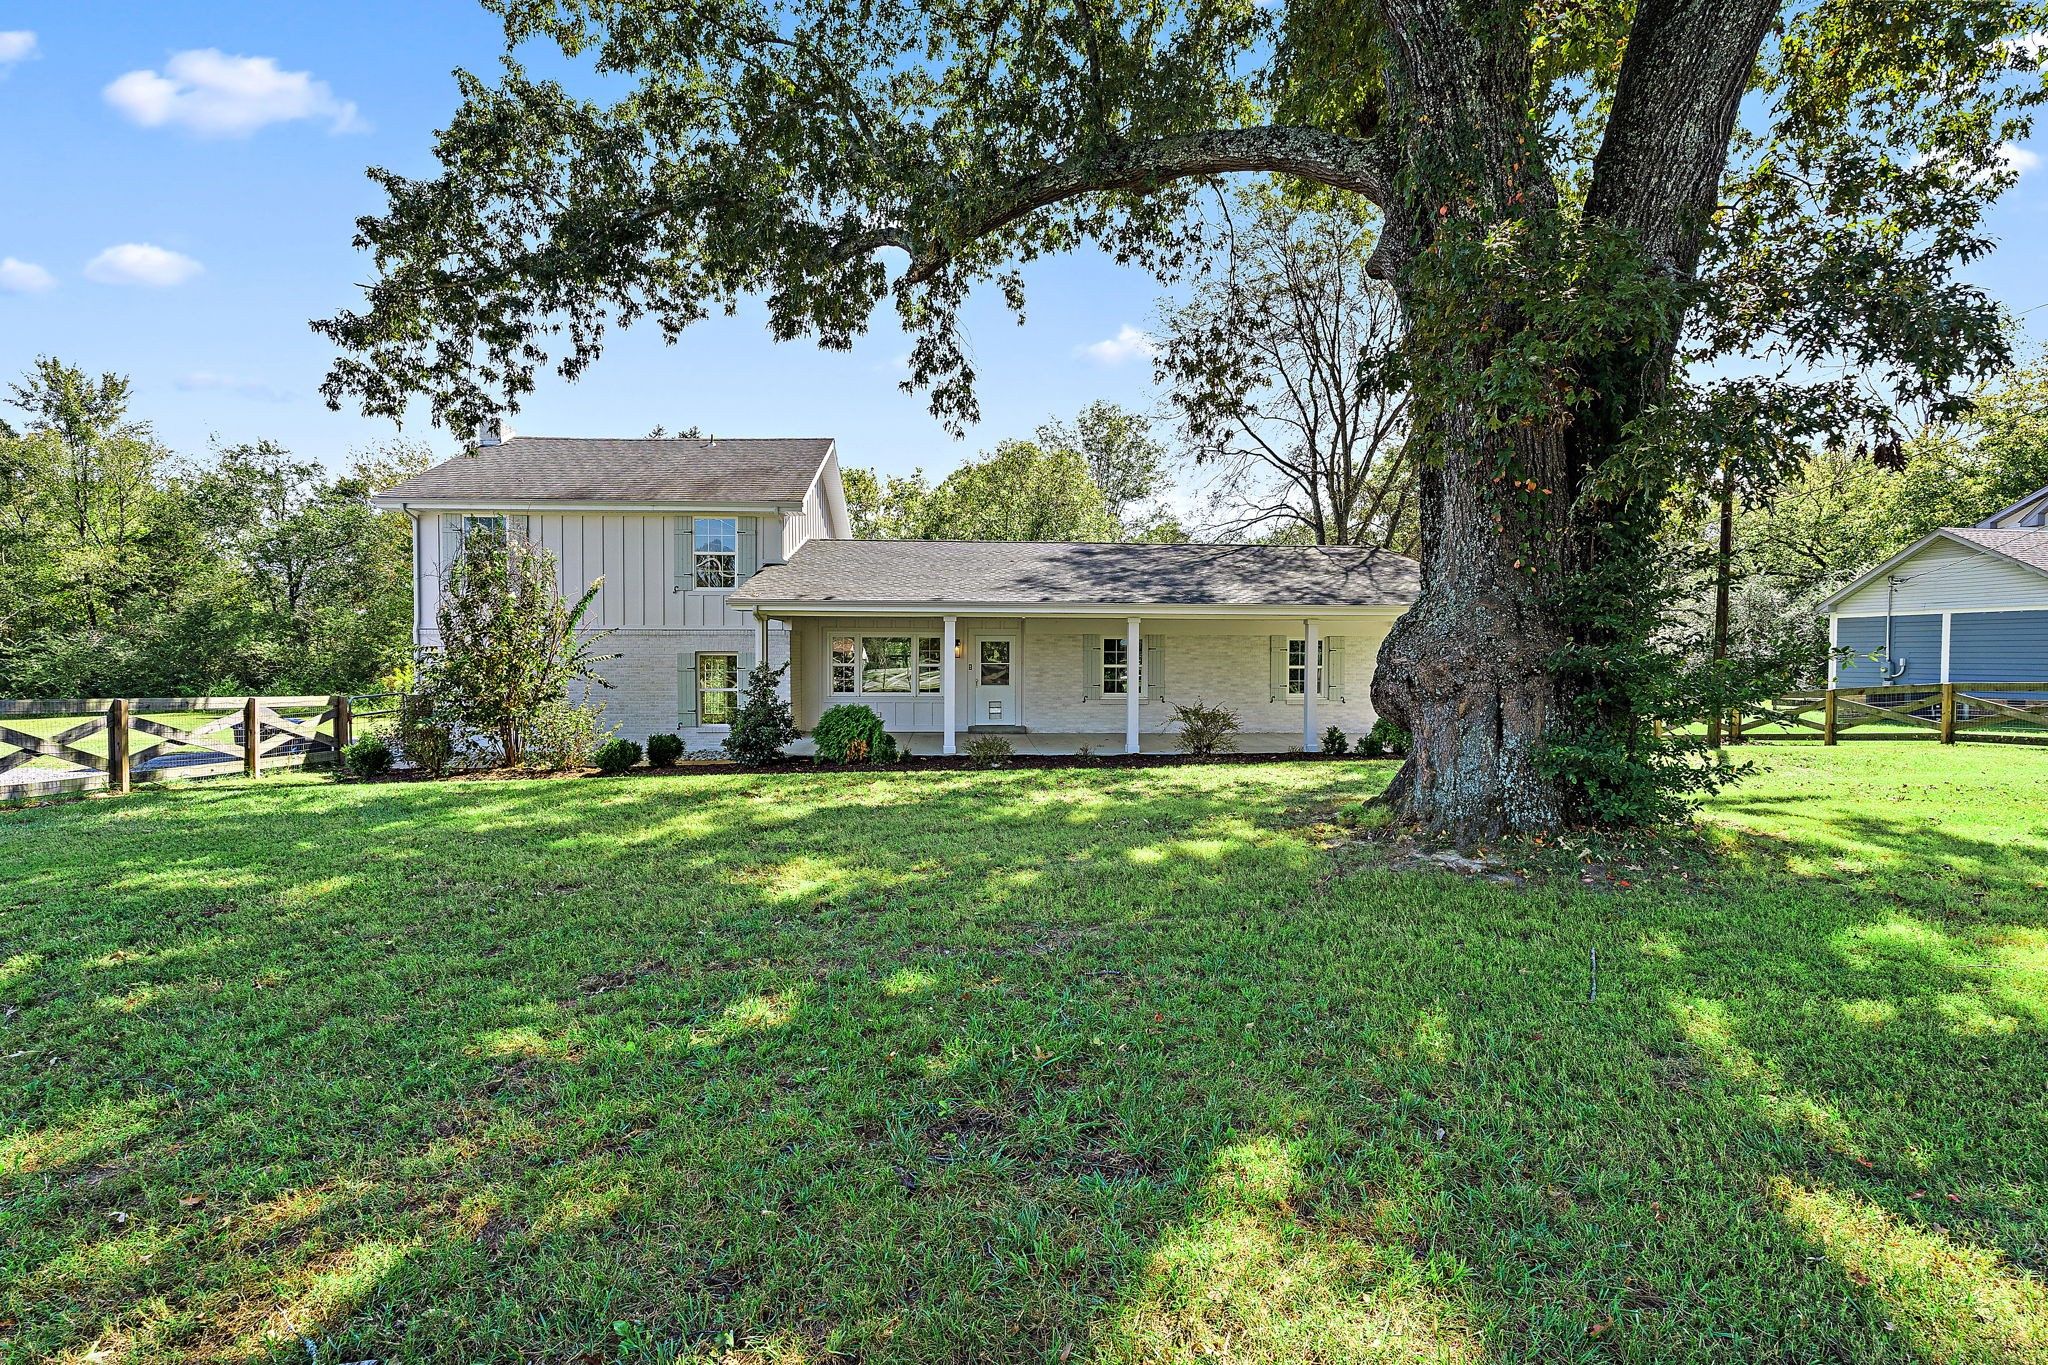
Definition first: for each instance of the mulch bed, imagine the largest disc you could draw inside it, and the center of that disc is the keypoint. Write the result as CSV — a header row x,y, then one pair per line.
x,y
915,763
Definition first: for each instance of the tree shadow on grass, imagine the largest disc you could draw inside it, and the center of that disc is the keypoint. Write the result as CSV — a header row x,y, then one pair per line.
x,y
1007,1066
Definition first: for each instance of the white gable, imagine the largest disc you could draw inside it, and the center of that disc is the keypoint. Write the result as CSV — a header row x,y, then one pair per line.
x,y
1944,575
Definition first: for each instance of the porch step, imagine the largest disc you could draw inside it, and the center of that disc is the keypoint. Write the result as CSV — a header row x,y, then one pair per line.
x,y
997,730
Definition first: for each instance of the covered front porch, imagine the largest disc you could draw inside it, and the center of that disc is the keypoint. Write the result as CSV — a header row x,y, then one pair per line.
x,y
1105,681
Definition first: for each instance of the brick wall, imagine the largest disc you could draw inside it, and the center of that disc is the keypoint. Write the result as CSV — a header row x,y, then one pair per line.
x,y
641,698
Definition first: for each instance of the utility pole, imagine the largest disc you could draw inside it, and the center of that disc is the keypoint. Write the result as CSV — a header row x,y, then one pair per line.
x,y
1721,571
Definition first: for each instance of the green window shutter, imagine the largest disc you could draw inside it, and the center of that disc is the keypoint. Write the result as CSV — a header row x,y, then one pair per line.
x,y
1152,666
451,544
1333,668
1277,665
750,548
686,687
686,554
1091,666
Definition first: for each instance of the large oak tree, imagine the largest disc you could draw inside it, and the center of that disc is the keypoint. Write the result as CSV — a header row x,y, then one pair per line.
x,y
1578,199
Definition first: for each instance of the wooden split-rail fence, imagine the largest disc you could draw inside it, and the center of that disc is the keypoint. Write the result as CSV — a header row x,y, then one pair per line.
x,y
2001,712
251,735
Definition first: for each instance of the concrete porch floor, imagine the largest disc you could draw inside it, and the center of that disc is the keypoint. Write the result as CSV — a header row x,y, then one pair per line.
x,y
929,742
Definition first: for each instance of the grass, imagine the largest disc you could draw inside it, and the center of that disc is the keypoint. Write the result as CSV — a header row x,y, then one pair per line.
x,y
1062,1066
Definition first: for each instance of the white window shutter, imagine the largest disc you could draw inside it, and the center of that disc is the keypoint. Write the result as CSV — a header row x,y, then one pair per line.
x,y
1333,668
1152,666
1091,666
686,687
1277,665
750,548
686,554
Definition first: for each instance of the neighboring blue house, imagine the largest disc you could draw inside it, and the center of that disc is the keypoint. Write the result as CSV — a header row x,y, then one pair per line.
x,y
1966,604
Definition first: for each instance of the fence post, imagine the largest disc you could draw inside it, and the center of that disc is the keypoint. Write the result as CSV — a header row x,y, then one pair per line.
x,y
344,724
117,747
1827,728
1735,726
1948,713
250,760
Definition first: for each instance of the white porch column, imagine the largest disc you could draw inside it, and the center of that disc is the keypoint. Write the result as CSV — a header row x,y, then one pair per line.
x,y
1311,680
1131,645
949,681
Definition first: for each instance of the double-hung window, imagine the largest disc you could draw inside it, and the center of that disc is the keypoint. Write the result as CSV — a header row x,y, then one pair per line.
x,y
1298,680
1116,667
883,664
718,688
717,552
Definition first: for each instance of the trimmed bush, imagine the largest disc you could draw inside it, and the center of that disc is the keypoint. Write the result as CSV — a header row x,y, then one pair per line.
x,y
614,756
852,733
1206,730
764,723
367,757
1390,737
989,750
1334,741
664,750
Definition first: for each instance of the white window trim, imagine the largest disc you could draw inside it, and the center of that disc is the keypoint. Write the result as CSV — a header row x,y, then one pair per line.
x,y
919,669
703,691
1322,668
1144,682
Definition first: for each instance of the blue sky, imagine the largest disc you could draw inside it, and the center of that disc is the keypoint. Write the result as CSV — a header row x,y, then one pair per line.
x,y
182,181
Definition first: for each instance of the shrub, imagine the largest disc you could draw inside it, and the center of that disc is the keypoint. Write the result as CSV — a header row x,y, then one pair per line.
x,y
367,757
989,750
852,733
427,726
562,734
664,750
764,723
1205,730
1392,738
614,756
1334,741
1370,747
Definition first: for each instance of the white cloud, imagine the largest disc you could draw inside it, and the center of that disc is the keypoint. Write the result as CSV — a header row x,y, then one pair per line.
x,y
16,45
141,263
1128,344
2019,159
209,93
207,380
20,277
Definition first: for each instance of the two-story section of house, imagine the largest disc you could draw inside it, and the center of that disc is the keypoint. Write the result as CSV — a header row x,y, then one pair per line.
x,y
717,553
672,527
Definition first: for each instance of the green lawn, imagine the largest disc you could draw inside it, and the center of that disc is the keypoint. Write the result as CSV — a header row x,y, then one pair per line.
x,y
1070,1066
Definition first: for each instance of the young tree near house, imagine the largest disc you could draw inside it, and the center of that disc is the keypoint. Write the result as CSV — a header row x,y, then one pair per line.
x,y
1567,197
1278,365
510,643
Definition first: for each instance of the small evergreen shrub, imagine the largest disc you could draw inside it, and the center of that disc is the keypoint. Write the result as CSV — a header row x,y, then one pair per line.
x,y
1370,747
367,757
561,734
614,756
1205,730
1334,741
852,733
989,750
1392,738
764,723
664,750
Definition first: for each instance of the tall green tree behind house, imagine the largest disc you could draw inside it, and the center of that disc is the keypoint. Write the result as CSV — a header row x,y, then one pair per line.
x,y
1126,461
1021,490
1586,207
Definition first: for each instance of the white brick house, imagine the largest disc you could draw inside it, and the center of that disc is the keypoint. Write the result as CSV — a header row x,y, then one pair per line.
x,y
719,553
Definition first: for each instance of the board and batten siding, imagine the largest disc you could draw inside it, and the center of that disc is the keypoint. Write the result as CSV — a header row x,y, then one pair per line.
x,y
1916,643
1946,576
634,552
1998,646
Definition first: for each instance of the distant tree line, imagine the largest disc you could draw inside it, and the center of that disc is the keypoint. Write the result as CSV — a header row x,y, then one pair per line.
x,y
126,570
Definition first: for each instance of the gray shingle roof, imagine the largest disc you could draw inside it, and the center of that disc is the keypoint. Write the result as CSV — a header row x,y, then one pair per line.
x,y
1020,573
2028,547
575,469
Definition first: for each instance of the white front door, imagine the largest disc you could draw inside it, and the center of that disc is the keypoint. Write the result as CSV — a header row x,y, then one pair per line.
x,y
995,681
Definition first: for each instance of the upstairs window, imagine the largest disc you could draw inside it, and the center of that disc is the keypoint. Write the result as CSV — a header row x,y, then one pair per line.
x,y
717,552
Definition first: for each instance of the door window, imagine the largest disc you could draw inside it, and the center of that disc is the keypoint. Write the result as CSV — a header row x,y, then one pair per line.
x,y
995,663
